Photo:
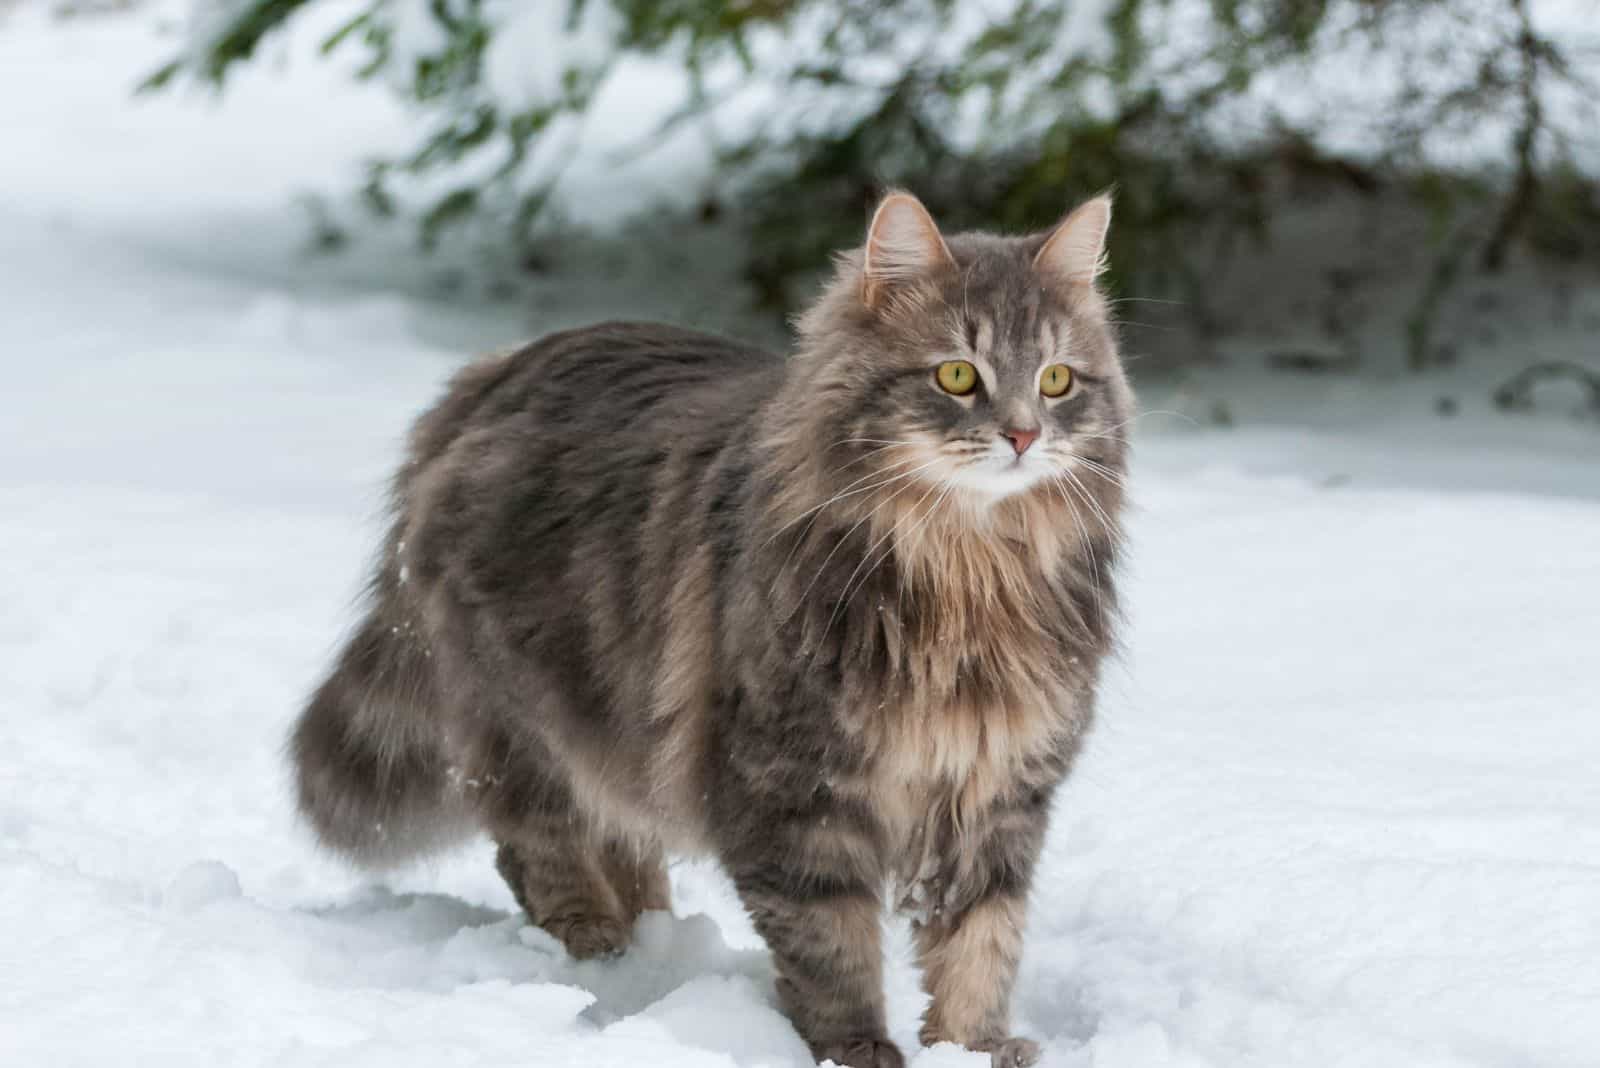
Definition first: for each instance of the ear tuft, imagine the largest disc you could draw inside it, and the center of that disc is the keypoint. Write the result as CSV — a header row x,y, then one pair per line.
x,y
1075,251
903,243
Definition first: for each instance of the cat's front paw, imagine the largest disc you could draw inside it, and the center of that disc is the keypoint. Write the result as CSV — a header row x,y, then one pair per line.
x,y
860,1053
1003,1052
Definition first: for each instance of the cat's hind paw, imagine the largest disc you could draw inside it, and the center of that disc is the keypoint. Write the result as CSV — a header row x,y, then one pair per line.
x,y
861,1053
591,937
1013,1053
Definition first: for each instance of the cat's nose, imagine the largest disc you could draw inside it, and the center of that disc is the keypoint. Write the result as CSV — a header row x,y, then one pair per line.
x,y
1020,439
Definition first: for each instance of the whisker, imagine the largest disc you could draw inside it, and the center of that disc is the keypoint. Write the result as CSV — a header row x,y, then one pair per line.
x,y
846,537
848,491
893,528
1161,411
1147,326
950,488
1106,434
1110,476
1103,471
862,459
1084,539
868,441
1088,498
817,513
844,598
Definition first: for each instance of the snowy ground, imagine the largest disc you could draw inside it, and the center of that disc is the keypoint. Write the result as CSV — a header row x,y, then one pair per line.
x,y
1342,808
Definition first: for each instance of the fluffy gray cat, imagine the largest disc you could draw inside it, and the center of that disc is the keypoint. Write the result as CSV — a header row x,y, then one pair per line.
x,y
836,619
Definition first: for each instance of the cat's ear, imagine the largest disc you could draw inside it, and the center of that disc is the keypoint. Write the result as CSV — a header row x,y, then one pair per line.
x,y
1075,252
903,243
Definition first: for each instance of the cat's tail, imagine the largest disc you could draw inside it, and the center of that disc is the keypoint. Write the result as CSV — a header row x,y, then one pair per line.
x,y
371,773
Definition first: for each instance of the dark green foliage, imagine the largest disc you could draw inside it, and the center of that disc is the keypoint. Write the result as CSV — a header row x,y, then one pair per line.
x,y
237,41
997,125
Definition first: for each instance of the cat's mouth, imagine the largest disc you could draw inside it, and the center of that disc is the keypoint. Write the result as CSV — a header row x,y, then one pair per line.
x,y
999,473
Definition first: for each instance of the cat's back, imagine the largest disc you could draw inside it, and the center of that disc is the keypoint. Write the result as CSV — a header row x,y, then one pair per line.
x,y
544,519
615,387
536,475
618,374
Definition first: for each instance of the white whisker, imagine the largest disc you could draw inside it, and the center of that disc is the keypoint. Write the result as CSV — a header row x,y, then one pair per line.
x,y
848,491
844,598
868,441
846,536
1088,499
1084,539
1115,478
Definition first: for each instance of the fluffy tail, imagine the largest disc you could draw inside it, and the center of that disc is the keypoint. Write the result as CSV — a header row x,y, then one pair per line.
x,y
372,777
371,771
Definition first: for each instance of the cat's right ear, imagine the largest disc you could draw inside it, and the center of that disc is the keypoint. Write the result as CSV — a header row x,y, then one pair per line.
x,y
1075,252
903,244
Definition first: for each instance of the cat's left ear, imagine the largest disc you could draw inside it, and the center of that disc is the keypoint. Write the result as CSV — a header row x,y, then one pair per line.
x,y
903,244
1075,252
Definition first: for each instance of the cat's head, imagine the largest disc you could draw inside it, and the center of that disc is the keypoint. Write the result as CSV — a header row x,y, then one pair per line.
x,y
976,364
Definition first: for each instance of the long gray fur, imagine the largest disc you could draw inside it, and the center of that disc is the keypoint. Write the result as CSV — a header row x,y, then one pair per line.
x,y
649,591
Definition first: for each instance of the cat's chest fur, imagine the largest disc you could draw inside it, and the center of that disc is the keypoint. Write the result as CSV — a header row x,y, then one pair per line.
x,y
984,692
951,754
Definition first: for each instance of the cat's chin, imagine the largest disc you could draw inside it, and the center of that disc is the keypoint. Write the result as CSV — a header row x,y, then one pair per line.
x,y
990,481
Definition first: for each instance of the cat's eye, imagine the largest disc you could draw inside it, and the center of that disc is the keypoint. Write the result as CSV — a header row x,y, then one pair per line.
x,y
957,377
1056,380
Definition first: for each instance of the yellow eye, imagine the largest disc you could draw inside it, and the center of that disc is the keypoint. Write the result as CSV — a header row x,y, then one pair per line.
x,y
958,377
1056,381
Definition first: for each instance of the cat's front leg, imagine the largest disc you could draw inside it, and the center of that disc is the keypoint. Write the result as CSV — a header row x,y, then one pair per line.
x,y
969,949
809,876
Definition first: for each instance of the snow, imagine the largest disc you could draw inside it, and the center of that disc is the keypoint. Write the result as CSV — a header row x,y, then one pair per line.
x,y
416,35
1341,807
534,47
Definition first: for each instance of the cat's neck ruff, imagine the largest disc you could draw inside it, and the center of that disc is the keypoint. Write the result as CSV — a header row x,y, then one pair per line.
x,y
992,546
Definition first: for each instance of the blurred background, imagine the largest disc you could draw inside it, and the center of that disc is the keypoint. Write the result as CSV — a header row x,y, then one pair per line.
x,y
1316,189
1340,807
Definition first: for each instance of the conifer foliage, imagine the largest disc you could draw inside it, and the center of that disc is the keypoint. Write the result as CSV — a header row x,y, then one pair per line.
x,y
1200,112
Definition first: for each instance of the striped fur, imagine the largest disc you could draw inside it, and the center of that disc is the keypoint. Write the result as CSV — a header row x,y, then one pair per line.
x,y
651,591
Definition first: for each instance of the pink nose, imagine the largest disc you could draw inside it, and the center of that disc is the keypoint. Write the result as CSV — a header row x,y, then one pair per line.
x,y
1020,439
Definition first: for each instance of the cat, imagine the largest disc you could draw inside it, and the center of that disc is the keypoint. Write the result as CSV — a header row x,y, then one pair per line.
x,y
836,619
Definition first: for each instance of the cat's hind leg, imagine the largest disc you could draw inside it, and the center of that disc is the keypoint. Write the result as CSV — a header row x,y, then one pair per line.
x,y
561,882
637,871
551,855
585,888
